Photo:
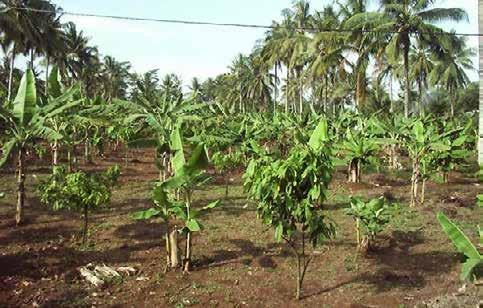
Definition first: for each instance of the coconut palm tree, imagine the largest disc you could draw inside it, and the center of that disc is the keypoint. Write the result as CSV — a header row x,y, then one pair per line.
x,y
171,88
328,61
79,60
23,30
239,76
421,66
272,56
450,70
361,44
145,86
259,82
404,22
115,78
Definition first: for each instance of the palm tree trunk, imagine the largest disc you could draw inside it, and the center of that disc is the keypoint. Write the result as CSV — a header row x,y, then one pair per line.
x,y
326,98
287,85
21,186
47,76
391,106
452,103
420,98
240,95
358,92
275,88
301,96
406,79
10,77
32,59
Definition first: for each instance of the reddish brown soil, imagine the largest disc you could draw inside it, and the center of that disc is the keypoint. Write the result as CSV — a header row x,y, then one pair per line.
x,y
236,260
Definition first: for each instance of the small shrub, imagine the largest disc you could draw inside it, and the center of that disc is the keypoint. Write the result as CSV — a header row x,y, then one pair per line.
x,y
78,191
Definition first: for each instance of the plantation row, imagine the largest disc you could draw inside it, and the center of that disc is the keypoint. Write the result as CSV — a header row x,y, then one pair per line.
x,y
288,162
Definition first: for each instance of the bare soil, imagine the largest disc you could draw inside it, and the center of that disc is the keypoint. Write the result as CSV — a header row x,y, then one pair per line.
x,y
236,259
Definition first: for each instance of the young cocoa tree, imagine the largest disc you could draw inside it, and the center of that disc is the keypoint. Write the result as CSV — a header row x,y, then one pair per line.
x,y
289,193
78,191
226,163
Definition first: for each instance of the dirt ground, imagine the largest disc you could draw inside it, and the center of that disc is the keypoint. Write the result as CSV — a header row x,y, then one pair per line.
x,y
237,262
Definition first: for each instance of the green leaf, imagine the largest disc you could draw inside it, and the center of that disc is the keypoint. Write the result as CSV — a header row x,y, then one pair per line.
x,y
211,205
145,215
160,197
468,267
25,102
198,159
193,225
6,150
55,87
418,130
319,136
176,181
178,159
459,239
279,232
179,211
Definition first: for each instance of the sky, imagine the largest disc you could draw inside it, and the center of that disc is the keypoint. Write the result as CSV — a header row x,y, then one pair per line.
x,y
190,50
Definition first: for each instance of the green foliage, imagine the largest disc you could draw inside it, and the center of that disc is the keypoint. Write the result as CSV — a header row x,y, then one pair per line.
x,y
227,161
290,191
373,215
452,149
188,174
474,259
78,191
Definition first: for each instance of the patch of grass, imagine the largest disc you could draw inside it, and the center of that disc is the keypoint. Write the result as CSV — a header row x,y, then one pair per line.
x,y
405,218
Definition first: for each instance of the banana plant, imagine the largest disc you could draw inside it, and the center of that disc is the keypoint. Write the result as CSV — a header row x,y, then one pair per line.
x,y
454,151
25,122
62,123
474,260
395,127
358,149
188,174
158,119
421,141
371,218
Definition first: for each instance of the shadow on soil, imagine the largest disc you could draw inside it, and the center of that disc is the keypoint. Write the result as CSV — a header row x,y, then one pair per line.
x,y
245,253
398,267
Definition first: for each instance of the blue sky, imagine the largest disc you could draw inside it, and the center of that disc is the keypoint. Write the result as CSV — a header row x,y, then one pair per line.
x,y
189,51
